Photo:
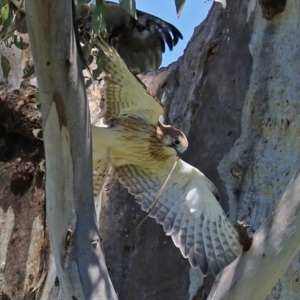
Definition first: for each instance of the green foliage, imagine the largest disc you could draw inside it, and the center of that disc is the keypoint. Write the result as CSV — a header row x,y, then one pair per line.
x,y
8,16
16,40
90,21
129,5
8,34
7,22
5,13
3,2
5,66
98,23
88,17
179,6
88,83
29,72
91,25
98,29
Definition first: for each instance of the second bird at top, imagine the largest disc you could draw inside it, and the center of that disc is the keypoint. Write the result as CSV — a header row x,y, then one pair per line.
x,y
141,41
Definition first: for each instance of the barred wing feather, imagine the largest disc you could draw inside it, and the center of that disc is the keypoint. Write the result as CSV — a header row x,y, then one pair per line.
x,y
125,94
188,210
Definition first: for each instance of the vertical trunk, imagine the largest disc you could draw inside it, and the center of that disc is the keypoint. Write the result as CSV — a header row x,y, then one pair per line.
x,y
74,236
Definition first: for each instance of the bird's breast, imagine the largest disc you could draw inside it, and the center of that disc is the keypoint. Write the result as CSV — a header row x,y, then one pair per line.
x,y
136,143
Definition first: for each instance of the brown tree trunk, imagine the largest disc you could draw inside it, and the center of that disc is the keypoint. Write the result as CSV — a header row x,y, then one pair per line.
x,y
235,94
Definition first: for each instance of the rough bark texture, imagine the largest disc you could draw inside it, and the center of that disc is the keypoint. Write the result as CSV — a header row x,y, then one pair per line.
x,y
24,245
274,245
235,94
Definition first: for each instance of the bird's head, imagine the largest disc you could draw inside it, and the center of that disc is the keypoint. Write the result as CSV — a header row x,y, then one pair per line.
x,y
172,137
144,27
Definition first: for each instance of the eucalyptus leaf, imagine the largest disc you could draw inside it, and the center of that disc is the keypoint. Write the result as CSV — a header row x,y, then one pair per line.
x,y
8,40
7,22
179,6
18,41
130,6
38,100
20,5
29,72
5,66
4,13
86,50
3,2
88,83
90,59
98,24
97,72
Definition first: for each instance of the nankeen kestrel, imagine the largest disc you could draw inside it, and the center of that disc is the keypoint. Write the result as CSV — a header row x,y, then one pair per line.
x,y
143,152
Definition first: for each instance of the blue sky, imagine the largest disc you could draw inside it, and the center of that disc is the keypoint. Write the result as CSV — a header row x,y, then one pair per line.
x,y
193,14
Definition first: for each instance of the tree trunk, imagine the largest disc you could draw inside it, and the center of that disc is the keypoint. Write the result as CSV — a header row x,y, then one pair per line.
x,y
73,229
274,245
235,94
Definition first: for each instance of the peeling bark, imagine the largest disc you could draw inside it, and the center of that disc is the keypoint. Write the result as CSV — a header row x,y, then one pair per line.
x,y
73,231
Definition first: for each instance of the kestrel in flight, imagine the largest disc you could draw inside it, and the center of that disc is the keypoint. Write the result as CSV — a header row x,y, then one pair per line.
x,y
143,153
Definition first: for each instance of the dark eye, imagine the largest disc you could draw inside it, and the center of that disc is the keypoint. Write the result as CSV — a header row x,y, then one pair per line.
x,y
140,27
176,142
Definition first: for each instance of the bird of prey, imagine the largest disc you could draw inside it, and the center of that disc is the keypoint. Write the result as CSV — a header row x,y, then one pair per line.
x,y
139,41
143,153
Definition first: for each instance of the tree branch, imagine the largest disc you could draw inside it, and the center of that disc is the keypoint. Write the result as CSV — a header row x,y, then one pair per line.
x,y
254,273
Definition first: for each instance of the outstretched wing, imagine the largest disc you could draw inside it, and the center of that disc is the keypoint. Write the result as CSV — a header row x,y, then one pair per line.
x,y
141,41
118,21
100,175
125,95
188,210
141,45
164,31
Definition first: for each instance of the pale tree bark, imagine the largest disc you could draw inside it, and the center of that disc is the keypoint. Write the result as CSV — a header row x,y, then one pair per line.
x,y
275,244
74,236
235,94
